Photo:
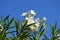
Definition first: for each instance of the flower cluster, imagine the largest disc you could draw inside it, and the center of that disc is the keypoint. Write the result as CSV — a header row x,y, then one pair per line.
x,y
30,17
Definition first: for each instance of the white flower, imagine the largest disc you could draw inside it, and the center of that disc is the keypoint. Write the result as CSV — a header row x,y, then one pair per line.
x,y
30,21
35,27
24,14
58,34
59,38
32,12
29,18
44,18
44,24
37,24
0,24
37,20
26,18
32,28
1,28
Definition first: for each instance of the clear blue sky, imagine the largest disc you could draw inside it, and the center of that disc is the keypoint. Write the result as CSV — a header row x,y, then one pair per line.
x,y
43,8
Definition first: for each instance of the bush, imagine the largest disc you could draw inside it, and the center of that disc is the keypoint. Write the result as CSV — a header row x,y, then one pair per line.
x,y
27,29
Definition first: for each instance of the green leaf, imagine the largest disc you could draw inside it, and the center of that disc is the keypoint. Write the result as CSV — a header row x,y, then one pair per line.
x,y
11,27
3,21
58,31
46,38
9,23
30,24
17,27
10,32
41,34
24,26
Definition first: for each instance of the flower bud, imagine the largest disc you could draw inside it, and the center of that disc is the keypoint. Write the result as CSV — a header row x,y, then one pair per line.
x,y
44,18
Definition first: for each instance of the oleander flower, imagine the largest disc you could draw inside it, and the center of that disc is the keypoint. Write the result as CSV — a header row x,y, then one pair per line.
x,y
37,21
44,24
29,16
26,18
32,28
59,38
24,14
37,24
1,28
31,20
44,18
32,12
58,34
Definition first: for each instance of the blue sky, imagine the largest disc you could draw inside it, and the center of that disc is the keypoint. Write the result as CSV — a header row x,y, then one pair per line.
x,y
44,8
